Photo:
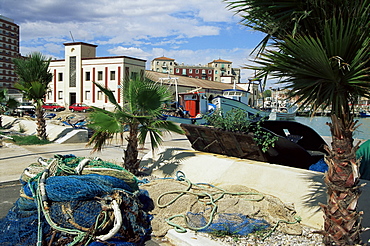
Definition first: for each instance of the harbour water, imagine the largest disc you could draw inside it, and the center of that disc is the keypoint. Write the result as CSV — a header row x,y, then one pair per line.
x,y
318,123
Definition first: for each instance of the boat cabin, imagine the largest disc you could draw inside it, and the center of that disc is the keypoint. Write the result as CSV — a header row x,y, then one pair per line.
x,y
194,103
239,95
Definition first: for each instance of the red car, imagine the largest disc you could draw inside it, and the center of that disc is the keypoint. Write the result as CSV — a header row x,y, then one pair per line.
x,y
79,107
53,107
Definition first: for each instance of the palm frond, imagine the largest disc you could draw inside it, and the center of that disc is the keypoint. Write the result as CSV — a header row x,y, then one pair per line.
x,y
109,94
323,71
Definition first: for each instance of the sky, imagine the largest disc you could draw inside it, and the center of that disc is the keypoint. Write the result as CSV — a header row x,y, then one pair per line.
x,y
192,32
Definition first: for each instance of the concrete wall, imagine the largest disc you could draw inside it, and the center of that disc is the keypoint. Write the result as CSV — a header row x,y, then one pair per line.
x,y
303,188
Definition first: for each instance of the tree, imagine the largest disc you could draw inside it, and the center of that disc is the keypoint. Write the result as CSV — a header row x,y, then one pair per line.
x,y
6,103
142,105
321,52
34,78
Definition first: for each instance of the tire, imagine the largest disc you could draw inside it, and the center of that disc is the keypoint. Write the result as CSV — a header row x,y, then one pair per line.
x,y
84,110
55,110
72,110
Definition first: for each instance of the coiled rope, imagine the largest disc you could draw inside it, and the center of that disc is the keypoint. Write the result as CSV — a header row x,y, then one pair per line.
x,y
201,197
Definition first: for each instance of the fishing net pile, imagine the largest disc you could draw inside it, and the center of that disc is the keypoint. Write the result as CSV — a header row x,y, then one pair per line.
x,y
234,209
69,200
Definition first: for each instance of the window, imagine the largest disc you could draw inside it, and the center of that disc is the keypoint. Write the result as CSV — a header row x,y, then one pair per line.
x,y
87,95
177,70
100,95
100,75
134,75
72,71
209,71
60,76
49,95
60,94
190,70
87,76
112,75
196,77
196,71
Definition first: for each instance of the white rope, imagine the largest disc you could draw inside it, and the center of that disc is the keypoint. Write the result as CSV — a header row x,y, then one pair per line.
x,y
117,223
42,162
81,165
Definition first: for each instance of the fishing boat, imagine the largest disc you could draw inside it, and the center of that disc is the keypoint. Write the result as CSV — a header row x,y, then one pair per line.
x,y
364,114
237,99
297,145
283,113
280,109
190,109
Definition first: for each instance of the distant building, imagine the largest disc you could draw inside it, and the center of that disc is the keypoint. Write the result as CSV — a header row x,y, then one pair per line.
x,y
198,72
217,70
73,76
224,72
163,65
9,49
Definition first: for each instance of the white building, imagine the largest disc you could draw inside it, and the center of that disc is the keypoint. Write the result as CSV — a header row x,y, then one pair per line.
x,y
73,77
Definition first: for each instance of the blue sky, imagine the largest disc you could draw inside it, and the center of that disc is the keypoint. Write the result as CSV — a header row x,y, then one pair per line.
x,y
191,32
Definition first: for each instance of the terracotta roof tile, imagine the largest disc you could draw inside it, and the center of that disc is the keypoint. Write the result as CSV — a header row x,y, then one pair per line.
x,y
220,60
164,58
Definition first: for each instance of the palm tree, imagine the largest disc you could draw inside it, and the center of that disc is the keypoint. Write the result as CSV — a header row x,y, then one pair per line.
x,y
34,78
323,57
142,105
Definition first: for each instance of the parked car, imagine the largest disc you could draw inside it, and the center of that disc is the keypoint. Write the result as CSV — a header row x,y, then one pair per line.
x,y
53,107
81,107
25,108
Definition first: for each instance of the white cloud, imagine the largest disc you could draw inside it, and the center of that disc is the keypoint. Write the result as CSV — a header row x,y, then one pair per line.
x,y
144,29
130,51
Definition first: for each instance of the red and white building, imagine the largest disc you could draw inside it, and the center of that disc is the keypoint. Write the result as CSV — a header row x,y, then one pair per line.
x,y
74,75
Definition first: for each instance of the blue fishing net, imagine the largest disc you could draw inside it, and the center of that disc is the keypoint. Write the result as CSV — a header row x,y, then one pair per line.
x,y
79,203
229,223
319,166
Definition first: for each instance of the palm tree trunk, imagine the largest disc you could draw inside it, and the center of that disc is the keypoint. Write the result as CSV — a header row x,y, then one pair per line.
x,y
41,124
131,163
342,224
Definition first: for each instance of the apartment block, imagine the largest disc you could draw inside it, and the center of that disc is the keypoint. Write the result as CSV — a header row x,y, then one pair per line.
x,y
217,70
198,72
9,49
73,76
163,65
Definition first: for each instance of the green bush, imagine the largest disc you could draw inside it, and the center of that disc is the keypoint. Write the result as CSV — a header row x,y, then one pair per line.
x,y
238,120
28,140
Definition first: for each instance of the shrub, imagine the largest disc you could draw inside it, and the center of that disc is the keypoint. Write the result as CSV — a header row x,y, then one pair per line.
x,y
238,120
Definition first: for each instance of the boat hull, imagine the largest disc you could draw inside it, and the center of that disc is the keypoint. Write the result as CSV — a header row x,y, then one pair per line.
x,y
226,104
